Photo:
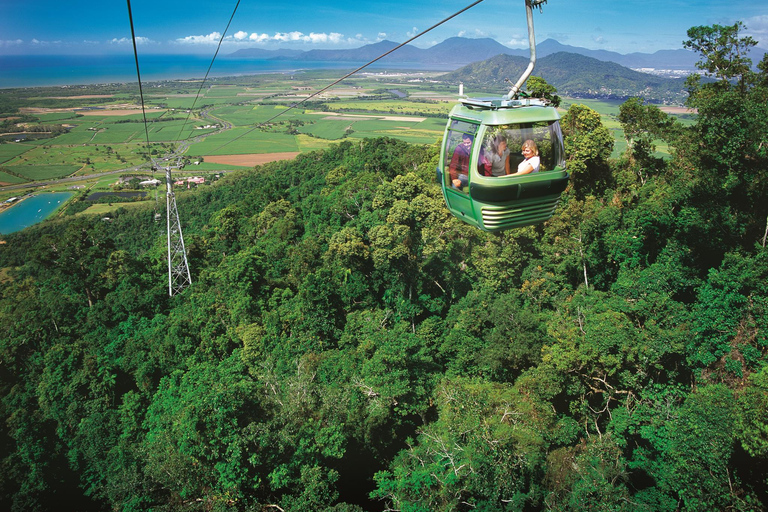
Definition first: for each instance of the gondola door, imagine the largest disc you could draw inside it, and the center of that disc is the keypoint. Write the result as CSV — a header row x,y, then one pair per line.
x,y
459,150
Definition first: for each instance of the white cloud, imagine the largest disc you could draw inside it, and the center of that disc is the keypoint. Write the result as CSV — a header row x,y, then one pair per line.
x,y
757,28
413,32
13,42
289,36
517,43
259,38
212,38
38,42
127,40
293,37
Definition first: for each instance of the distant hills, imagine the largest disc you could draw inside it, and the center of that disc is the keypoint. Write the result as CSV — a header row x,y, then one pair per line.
x,y
455,52
484,63
572,75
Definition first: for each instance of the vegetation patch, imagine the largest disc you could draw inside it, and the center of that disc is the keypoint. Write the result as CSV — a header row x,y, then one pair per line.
x,y
44,172
11,179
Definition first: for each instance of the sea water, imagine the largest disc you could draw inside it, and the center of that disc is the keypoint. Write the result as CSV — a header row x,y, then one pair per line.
x,y
31,210
63,70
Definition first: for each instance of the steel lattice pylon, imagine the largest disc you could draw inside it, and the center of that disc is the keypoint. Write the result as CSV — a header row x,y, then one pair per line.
x,y
178,268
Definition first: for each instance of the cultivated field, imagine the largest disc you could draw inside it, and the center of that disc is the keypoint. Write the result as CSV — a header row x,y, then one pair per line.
x,y
230,123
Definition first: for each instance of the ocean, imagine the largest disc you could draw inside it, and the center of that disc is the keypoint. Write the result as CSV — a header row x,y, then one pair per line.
x,y
61,70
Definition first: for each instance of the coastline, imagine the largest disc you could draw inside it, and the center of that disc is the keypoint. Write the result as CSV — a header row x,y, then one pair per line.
x,y
29,71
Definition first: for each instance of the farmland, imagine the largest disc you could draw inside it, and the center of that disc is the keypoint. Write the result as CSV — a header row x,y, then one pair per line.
x,y
221,125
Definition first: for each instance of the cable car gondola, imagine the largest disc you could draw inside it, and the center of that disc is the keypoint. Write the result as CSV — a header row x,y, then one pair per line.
x,y
492,196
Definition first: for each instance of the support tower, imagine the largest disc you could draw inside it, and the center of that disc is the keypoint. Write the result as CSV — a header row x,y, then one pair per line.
x,y
178,268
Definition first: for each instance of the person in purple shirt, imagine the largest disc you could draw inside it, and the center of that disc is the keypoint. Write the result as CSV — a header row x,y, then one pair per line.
x,y
459,167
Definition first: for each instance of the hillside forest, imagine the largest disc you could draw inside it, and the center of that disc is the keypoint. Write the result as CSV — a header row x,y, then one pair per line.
x,y
346,345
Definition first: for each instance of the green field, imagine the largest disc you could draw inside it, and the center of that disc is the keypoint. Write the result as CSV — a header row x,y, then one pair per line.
x,y
45,172
328,129
10,178
241,141
255,107
12,150
393,107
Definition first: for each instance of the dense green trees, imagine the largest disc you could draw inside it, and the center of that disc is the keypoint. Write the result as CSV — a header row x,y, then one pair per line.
x,y
347,345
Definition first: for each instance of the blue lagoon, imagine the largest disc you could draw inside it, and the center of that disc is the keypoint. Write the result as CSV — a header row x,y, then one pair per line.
x,y
31,211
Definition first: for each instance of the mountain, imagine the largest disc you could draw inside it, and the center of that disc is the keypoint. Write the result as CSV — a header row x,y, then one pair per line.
x,y
572,74
662,59
461,50
407,53
458,51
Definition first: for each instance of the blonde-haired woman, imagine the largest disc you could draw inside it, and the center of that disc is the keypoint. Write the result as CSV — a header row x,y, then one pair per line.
x,y
531,161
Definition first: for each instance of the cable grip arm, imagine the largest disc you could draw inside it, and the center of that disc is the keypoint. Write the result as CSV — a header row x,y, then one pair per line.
x,y
529,5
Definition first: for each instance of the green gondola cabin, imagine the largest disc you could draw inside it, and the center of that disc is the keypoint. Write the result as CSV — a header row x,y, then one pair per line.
x,y
500,202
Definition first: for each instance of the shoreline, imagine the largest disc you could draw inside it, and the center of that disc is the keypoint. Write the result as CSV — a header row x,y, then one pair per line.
x,y
5,205
54,71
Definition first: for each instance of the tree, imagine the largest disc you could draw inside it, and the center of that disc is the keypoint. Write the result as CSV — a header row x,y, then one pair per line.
x,y
588,145
642,125
539,88
724,52
730,148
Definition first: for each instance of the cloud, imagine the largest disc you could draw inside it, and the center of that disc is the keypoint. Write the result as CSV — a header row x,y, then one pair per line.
x,y
757,28
13,42
476,33
212,38
38,42
517,42
259,38
295,36
287,37
127,40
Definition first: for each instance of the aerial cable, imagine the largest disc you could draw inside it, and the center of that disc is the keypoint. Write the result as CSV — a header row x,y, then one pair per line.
x,y
178,137
141,95
138,74
295,105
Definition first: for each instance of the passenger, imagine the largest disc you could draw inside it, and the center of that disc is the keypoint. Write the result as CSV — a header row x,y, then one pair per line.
x,y
532,160
459,167
498,156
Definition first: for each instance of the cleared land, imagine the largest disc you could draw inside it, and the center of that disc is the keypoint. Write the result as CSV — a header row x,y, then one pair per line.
x,y
252,159
237,122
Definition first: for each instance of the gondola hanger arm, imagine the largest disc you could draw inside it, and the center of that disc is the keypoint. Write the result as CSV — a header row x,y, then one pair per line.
x,y
529,5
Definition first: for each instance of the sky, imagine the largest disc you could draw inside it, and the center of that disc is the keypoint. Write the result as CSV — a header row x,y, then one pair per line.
x,y
56,27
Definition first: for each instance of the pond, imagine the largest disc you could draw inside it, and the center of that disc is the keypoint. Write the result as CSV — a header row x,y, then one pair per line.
x,y
31,210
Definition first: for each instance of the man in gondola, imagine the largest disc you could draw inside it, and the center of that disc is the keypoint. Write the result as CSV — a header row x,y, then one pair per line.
x,y
459,167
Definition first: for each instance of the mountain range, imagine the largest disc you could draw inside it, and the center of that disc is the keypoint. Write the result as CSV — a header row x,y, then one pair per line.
x,y
577,76
483,64
455,52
